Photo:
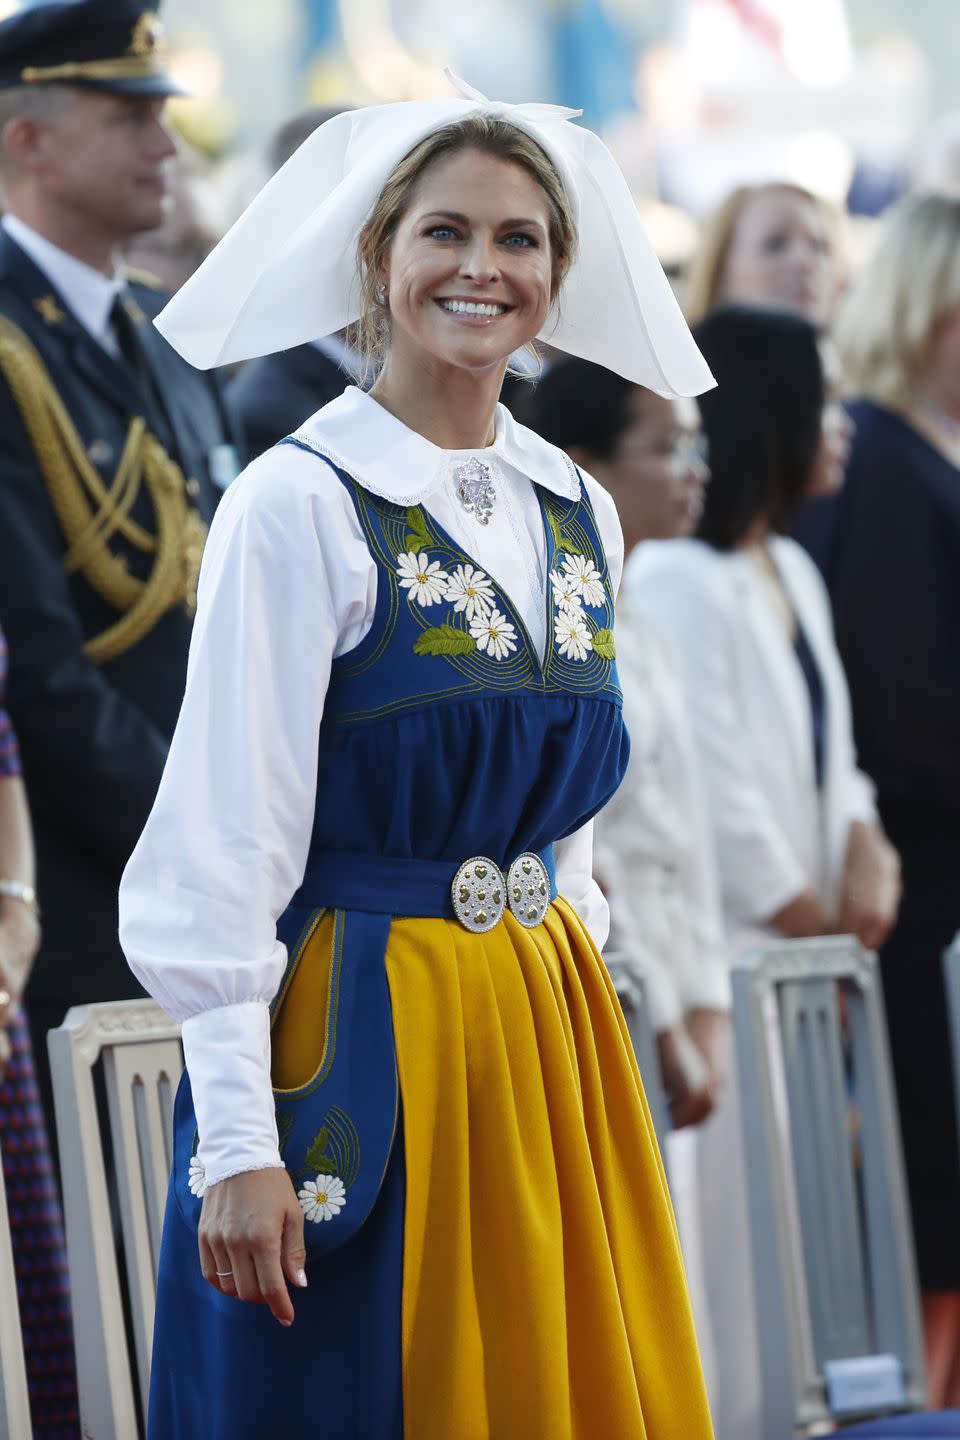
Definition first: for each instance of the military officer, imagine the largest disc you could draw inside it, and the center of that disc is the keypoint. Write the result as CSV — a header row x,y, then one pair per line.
x,y
112,452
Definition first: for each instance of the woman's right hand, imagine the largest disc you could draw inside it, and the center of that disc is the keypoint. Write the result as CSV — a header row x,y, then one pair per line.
x,y
251,1237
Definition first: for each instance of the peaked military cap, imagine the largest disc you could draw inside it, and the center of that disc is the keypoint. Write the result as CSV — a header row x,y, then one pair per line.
x,y
113,45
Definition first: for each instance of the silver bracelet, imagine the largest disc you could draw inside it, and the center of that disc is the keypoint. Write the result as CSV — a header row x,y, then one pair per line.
x,y
20,890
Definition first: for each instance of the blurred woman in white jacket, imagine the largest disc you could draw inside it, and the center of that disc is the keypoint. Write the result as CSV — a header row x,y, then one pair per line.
x,y
799,848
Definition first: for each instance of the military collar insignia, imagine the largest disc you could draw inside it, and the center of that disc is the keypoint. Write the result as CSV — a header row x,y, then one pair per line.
x,y
359,436
50,310
137,315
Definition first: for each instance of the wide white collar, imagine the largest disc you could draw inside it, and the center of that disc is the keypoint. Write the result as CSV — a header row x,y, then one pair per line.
x,y
388,459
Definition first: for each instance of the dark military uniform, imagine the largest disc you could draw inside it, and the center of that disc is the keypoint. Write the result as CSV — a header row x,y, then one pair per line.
x,y
272,396
108,479
94,706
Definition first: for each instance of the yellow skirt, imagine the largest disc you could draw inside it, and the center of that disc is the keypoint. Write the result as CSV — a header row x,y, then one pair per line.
x,y
543,1288
544,1293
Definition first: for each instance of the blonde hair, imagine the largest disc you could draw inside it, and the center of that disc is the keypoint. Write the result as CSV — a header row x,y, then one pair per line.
x,y
703,277
909,284
490,135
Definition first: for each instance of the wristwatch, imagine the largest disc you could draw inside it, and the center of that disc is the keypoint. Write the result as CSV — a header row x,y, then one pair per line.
x,y
20,890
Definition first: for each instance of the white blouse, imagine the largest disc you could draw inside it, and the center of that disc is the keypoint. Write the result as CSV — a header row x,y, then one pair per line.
x,y
653,850
287,585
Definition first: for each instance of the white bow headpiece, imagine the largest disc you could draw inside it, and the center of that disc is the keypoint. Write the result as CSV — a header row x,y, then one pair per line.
x,y
285,273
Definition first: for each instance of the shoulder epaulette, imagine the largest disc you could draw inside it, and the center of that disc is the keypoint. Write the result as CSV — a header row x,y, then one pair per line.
x,y
147,278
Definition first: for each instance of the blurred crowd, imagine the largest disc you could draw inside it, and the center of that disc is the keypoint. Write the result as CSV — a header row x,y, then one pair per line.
x,y
786,639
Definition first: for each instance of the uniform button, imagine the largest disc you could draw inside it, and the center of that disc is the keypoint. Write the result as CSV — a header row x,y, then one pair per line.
x,y
193,487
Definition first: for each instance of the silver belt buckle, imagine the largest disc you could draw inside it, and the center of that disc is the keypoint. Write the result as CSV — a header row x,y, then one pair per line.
x,y
481,893
528,890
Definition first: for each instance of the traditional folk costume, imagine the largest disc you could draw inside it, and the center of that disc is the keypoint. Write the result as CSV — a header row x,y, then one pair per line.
x,y
366,888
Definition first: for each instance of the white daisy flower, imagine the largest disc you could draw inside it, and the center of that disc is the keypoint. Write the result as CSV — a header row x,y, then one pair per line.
x,y
423,577
586,580
323,1198
566,593
197,1176
470,591
494,634
572,635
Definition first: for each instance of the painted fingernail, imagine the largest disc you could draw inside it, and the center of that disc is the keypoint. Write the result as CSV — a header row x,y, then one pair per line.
x,y
302,1278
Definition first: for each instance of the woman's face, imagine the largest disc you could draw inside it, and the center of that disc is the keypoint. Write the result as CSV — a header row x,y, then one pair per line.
x,y
469,272
939,375
779,257
836,430
658,471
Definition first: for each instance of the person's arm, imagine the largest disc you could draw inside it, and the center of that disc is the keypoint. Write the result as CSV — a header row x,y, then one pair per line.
x,y
761,876
92,758
19,924
870,890
285,586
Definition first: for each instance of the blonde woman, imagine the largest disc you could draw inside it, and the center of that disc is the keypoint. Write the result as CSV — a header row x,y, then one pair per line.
x,y
405,651
889,547
773,245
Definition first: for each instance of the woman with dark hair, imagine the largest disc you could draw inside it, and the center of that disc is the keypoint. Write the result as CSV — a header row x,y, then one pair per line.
x,y
799,848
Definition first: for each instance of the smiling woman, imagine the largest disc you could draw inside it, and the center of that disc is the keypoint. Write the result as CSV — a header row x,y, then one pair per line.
x,y
512,199
409,1080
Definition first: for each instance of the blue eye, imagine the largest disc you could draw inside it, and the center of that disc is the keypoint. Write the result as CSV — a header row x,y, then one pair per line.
x,y
525,241
442,232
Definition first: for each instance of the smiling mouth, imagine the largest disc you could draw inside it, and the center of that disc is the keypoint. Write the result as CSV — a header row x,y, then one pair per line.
x,y
484,311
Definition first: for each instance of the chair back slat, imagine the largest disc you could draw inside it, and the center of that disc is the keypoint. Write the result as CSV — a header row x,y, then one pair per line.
x,y
141,1078
827,1201
14,1398
140,1049
833,1264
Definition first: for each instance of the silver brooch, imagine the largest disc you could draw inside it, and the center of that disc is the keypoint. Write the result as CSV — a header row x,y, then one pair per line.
x,y
475,489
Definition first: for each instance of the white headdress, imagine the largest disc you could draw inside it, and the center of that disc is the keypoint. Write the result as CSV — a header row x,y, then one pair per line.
x,y
285,273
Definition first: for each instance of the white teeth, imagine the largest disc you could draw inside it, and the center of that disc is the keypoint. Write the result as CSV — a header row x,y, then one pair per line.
x,y
469,307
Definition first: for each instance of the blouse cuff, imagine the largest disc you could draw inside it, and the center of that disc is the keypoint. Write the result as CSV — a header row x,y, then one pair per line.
x,y
227,1053
710,988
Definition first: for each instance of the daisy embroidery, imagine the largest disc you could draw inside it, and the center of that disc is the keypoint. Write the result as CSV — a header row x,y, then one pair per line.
x,y
197,1176
470,591
566,593
572,636
586,580
423,577
323,1198
494,634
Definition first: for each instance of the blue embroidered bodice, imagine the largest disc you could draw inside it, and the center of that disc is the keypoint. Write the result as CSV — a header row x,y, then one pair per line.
x,y
444,735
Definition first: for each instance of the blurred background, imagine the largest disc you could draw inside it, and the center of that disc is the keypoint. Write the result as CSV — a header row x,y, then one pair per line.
x,y
855,99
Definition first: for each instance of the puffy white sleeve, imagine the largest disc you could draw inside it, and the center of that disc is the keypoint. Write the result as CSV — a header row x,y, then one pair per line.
x,y
574,855
758,866
287,583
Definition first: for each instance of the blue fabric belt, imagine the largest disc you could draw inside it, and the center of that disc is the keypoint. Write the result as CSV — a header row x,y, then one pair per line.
x,y
339,880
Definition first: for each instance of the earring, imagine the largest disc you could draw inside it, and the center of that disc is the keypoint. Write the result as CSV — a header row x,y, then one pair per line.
x,y
381,294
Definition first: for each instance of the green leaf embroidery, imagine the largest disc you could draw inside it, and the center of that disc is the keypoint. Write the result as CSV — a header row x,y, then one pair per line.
x,y
604,645
554,529
318,1159
559,543
284,1121
444,640
418,537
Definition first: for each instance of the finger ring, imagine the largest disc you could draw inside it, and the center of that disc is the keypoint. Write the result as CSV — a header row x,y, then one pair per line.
x,y
5,998
222,1274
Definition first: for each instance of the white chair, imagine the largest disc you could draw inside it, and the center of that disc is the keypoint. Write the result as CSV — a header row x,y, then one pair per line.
x,y
838,1313
14,1400
139,1046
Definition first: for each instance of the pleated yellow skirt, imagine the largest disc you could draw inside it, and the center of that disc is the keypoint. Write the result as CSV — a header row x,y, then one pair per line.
x,y
543,1290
